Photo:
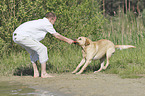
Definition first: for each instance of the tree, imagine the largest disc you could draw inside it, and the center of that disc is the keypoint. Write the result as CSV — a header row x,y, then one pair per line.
x,y
111,6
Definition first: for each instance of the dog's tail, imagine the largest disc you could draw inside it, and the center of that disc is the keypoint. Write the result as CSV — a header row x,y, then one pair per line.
x,y
124,46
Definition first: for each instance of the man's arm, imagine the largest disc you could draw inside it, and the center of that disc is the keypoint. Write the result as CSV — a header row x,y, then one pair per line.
x,y
60,37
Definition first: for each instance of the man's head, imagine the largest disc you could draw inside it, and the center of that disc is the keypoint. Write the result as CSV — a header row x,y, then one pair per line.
x,y
51,17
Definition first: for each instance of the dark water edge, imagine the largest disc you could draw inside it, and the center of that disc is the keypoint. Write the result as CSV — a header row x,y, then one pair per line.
x,y
17,89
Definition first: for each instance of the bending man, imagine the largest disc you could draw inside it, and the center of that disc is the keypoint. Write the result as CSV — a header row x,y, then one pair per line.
x,y
30,33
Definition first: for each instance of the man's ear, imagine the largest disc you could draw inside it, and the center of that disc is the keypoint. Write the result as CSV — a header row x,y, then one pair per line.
x,y
87,42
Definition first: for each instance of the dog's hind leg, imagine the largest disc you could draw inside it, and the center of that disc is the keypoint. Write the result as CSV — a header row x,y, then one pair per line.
x,y
108,55
81,63
102,60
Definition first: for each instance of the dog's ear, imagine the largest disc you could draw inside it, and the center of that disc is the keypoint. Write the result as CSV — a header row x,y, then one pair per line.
x,y
87,42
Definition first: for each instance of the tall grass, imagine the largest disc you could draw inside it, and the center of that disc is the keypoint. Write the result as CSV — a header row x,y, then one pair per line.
x,y
126,29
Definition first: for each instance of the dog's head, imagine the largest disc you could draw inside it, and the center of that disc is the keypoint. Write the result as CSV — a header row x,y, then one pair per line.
x,y
83,41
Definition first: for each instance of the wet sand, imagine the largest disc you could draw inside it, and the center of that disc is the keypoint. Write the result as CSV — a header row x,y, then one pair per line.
x,y
99,84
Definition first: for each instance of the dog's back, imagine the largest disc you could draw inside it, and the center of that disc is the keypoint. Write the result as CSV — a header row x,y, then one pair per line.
x,y
103,45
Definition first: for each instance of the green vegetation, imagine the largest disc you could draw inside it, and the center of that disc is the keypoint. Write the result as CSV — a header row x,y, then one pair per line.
x,y
74,19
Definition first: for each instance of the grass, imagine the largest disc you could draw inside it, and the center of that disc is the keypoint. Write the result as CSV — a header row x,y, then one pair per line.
x,y
8,64
128,63
60,60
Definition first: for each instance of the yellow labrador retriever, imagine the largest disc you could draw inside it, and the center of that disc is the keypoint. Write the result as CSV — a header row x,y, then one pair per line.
x,y
102,49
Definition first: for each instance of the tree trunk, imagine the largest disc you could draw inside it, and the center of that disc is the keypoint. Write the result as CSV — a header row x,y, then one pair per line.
x,y
129,6
104,7
123,7
126,5
138,10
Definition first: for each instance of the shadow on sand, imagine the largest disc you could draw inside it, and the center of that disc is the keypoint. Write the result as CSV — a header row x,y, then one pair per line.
x,y
28,69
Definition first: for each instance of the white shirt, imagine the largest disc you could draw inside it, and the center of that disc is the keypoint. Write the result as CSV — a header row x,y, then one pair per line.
x,y
36,29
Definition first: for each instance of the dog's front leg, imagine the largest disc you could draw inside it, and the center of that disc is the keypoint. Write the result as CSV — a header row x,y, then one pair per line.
x,y
81,63
84,67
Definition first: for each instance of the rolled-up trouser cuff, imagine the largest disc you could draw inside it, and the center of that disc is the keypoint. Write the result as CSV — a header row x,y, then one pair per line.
x,y
42,62
42,53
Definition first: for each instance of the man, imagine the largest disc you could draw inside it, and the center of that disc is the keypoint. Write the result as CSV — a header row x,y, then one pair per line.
x,y
30,33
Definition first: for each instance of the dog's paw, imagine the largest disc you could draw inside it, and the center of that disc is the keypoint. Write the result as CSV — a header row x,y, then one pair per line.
x,y
73,72
96,71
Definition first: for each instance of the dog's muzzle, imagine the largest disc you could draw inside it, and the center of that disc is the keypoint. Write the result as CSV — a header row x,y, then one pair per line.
x,y
75,42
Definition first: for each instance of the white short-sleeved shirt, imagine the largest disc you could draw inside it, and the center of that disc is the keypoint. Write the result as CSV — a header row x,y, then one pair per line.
x,y
36,29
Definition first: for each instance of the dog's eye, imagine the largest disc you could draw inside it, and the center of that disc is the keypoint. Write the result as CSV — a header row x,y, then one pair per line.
x,y
80,38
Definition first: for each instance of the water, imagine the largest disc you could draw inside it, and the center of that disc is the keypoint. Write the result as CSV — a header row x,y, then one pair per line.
x,y
17,89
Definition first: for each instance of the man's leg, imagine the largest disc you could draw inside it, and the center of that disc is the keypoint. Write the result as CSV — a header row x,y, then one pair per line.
x,y
34,57
36,72
37,50
44,74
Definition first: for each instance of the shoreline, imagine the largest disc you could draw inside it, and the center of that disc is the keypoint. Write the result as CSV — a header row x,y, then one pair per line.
x,y
68,84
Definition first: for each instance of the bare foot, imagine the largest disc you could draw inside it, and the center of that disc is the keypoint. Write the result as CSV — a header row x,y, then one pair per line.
x,y
45,75
36,74
78,73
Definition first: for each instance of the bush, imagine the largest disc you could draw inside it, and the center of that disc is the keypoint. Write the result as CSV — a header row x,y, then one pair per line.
x,y
75,18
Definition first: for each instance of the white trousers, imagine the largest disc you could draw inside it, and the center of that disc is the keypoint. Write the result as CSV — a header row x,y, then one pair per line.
x,y
36,49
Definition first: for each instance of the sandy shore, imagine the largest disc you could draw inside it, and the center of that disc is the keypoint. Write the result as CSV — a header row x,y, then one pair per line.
x,y
99,84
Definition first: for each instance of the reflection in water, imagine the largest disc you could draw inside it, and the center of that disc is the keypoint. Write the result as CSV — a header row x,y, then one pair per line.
x,y
16,89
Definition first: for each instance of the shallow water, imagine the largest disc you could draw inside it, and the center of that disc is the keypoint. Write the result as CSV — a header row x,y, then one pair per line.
x,y
17,89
